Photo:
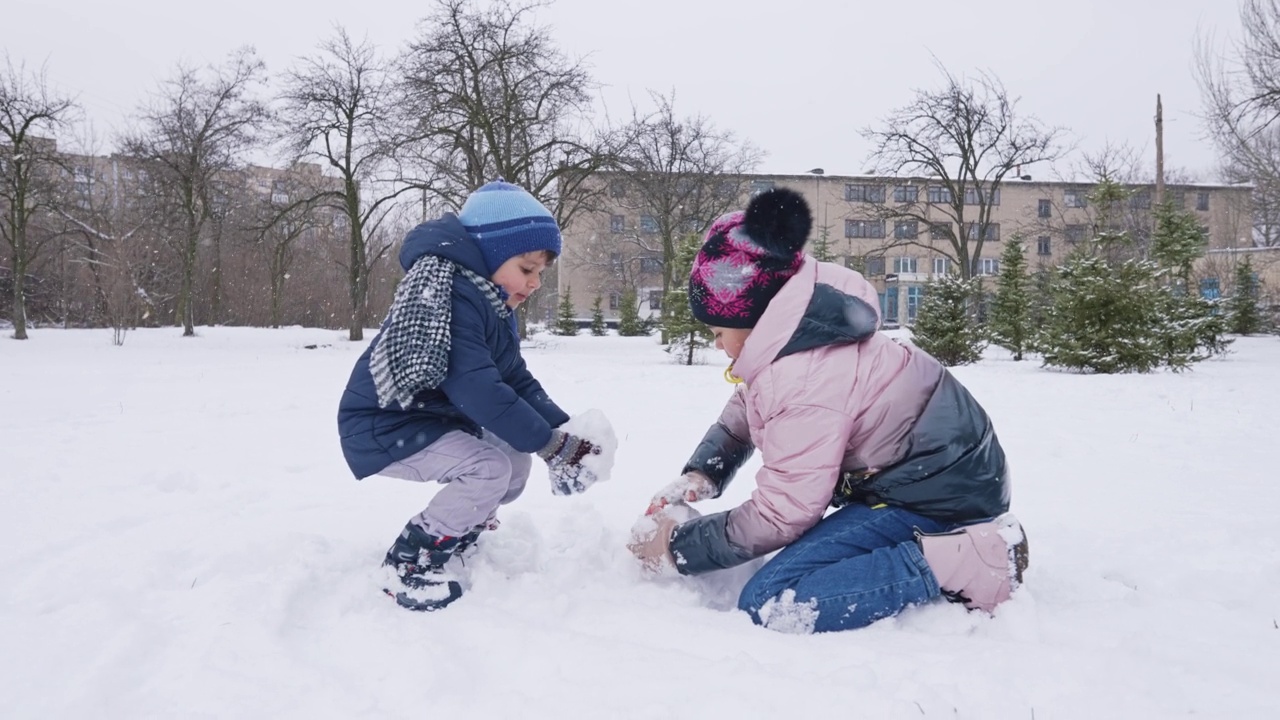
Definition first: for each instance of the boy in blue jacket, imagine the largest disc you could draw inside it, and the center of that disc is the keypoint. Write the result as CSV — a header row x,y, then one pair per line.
x,y
442,393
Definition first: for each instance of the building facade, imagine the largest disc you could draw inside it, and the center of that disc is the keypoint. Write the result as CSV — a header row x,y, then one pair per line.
x,y
898,231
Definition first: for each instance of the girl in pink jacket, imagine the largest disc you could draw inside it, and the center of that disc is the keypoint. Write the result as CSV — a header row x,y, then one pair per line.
x,y
844,417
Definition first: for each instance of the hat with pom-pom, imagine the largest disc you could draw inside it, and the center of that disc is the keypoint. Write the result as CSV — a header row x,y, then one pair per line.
x,y
506,221
747,257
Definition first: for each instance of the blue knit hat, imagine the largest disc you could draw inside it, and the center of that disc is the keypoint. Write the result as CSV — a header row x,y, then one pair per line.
x,y
506,221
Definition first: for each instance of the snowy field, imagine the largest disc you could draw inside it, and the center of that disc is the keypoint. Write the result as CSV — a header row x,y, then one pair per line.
x,y
180,538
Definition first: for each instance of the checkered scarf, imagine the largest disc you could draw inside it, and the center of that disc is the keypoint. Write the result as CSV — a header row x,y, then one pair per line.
x,y
412,353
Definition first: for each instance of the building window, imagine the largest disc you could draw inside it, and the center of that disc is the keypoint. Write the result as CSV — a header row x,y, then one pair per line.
x,y
942,266
1202,201
1043,245
875,265
651,266
1140,200
1075,198
615,300
759,186
618,188
1077,233
975,196
891,305
864,228
617,224
648,224
864,193
904,264
1177,198
1044,208
990,232
1209,289
906,194
939,195
915,294
615,262
655,300
988,266
940,231
906,229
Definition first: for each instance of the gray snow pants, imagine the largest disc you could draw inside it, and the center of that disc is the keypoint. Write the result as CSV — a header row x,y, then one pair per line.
x,y
478,474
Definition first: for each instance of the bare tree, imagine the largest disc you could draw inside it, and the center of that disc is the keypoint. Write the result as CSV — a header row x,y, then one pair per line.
x,y
495,97
341,109
963,141
31,116
1240,92
280,222
678,175
196,128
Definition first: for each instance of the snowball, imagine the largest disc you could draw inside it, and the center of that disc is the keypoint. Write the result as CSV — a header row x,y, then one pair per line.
x,y
594,427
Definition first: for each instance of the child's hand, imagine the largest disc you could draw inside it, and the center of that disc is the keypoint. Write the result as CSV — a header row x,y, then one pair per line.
x,y
690,487
564,455
651,543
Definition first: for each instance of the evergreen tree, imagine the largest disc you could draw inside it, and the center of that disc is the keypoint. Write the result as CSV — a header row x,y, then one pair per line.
x,y
822,246
1010,322
1104,317
945,327
1194,327
685,335
1244,316
597,316
629,324
1177,241
566,323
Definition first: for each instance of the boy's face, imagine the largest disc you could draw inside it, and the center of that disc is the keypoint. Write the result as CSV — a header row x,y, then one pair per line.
x,y
520,275
730,340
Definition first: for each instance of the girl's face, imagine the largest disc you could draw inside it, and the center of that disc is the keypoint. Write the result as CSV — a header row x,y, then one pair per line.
x,y
520,275
730,340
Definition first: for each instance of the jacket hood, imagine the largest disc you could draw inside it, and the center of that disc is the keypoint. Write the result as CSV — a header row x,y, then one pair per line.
x,y
446,238
823,304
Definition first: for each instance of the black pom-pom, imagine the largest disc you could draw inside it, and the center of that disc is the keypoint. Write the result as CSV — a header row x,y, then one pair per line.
x,y
779,221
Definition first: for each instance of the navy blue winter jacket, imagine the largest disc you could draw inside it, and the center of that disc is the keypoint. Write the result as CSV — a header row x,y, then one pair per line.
x,y
487,385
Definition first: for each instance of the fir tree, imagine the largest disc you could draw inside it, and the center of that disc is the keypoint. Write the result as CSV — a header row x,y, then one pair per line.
x,y
597,316
1010,323
1177,241
1194,327
685,335
822,246
945,327
1105,317
629,324
566,323
1244,316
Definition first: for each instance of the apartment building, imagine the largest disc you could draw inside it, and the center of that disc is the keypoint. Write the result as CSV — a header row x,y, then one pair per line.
x,y
615,247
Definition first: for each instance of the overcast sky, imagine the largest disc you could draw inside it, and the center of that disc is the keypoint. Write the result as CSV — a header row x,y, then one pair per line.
x,y
798,78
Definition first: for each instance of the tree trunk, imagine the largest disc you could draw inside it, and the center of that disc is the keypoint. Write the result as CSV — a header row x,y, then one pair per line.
x,y
186,296
19,291
215,315
356,269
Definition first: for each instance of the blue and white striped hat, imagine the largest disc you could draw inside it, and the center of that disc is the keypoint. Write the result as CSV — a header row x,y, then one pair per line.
x,y
505,221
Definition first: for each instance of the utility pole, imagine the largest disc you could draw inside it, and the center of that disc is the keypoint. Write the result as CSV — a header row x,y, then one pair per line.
x,y
1159,151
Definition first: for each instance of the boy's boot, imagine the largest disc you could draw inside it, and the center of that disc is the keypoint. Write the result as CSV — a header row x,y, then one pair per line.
x,y
418,560
979,565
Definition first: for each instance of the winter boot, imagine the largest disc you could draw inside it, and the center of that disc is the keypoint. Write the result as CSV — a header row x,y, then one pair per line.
x,y
417,560
979,565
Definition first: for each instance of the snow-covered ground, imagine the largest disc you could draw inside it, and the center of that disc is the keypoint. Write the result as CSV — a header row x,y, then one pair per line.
x,y
180,538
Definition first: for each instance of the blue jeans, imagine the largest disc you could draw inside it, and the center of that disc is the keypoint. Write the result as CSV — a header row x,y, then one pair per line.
x,y
854,567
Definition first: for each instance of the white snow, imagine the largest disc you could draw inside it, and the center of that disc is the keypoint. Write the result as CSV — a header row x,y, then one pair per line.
x,y
179,537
